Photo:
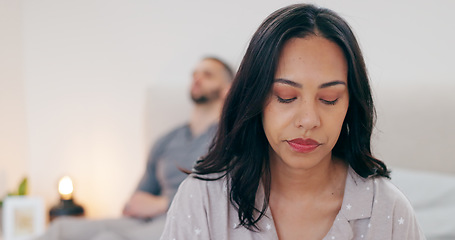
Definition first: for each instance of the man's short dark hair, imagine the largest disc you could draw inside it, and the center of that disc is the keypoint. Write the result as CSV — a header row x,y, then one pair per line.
x,y
226,66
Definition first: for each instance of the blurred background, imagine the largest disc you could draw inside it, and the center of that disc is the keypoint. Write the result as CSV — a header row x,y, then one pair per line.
x,y
86,86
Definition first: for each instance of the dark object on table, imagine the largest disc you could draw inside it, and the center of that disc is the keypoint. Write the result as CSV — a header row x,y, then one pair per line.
x,y
66,208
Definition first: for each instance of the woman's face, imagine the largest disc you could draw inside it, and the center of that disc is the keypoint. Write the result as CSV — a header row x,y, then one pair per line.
x,y
304,114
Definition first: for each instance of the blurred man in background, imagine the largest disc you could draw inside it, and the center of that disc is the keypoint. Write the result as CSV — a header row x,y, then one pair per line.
x,y
179,149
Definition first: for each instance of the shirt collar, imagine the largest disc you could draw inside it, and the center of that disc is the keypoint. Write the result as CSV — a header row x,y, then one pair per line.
x,y
358,197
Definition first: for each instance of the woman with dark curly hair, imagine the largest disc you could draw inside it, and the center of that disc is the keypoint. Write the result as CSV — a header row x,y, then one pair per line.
x,y
292,156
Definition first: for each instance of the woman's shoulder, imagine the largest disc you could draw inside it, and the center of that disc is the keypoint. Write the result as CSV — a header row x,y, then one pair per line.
x,y
385,195
392,207
206,179
391,202
388,192
384,210
198,199
384,190
203,185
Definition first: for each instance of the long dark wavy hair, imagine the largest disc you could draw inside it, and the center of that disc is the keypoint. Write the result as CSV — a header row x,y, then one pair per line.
x,y
240,150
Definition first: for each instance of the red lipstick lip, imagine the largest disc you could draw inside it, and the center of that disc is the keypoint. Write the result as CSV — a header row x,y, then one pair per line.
x,y
303,145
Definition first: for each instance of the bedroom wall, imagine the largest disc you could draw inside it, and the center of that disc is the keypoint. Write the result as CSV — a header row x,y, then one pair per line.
x,y
92,72
13,129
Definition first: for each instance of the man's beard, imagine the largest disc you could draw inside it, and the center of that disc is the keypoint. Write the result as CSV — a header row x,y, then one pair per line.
x,y
206,98
200,100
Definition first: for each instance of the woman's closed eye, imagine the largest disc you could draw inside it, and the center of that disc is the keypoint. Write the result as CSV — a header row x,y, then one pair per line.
x,y
329,102
289,100
285,100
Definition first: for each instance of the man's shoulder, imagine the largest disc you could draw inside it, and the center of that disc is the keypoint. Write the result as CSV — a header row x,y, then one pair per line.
x,y
173,132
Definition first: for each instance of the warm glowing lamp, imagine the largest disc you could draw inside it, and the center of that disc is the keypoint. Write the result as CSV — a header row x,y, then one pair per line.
x,y
66,206
65,188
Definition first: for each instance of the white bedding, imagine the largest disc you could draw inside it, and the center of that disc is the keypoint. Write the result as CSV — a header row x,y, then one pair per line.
x,y
433,197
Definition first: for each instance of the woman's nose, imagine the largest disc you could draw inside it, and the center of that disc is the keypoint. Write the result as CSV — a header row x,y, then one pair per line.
x,y
307,116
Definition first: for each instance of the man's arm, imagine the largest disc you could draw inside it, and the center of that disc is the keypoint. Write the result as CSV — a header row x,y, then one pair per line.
x,y
145,205
147,201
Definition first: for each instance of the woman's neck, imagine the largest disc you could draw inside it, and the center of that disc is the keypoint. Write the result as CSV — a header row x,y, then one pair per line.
x,y
327,178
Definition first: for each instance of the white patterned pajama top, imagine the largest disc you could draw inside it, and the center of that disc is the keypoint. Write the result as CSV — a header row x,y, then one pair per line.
x,y
372,208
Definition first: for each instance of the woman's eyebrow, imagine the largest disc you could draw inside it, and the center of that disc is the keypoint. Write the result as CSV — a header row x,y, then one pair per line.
x,y
333,83
298,85
288,82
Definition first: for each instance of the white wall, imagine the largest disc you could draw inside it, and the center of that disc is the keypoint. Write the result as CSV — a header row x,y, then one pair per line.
x,y
90,68
13,130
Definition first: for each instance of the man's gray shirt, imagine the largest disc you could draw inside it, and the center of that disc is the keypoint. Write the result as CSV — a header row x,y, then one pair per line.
x,y
177,150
